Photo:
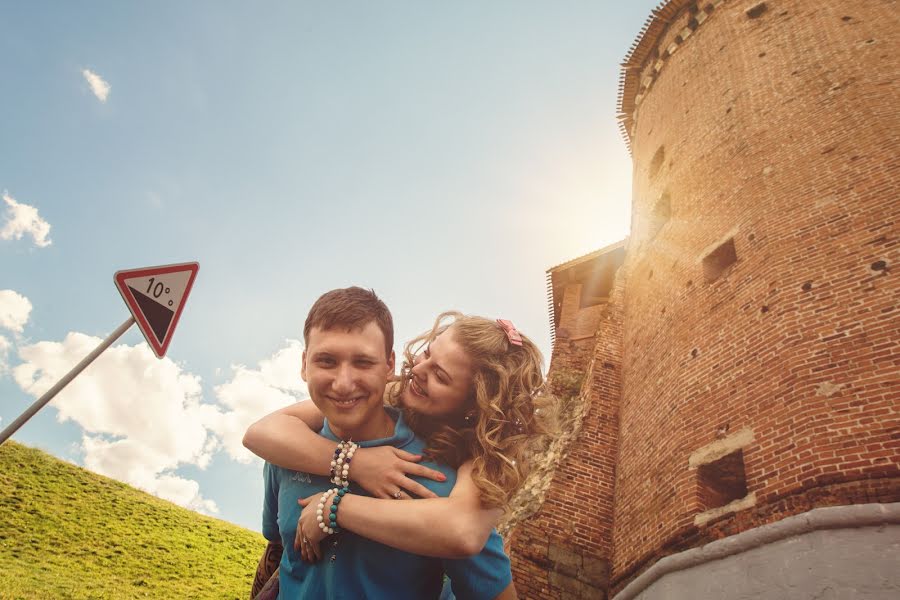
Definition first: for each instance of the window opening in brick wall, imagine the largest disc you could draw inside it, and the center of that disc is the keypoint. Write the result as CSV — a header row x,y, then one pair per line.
x,y
660,214
716,262
757,10
597,278
657,161
596,288
722,481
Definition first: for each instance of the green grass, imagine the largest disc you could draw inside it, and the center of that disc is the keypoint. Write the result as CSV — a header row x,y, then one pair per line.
x,y
68,533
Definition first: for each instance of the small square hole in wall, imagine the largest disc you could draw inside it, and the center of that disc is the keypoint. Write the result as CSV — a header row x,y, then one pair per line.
x,y
757,10
716,262
721,481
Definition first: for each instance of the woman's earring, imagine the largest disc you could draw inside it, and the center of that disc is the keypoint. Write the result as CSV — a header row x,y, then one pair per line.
x,y
469,418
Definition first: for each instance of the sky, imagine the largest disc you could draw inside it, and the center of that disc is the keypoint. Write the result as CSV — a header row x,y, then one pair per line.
x,y
445,154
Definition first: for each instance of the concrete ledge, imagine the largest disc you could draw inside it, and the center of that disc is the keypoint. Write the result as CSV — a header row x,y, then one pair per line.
x,y
831,517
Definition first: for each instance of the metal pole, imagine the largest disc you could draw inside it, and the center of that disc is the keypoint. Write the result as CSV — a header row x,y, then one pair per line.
x,y
47,397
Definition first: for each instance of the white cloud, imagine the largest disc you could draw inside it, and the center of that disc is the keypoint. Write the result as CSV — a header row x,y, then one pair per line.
x,y
24,219
185,492
142,416
154,199
130,461
14,310
5,345
99,87
253,393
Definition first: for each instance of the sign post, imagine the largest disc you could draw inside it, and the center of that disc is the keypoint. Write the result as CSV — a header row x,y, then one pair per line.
x,y
40,402
155,296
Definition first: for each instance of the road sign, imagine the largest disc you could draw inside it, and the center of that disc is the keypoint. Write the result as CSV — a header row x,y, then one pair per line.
x,y
156,296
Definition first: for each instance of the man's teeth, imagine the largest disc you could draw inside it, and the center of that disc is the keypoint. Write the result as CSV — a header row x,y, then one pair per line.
x,y
346,402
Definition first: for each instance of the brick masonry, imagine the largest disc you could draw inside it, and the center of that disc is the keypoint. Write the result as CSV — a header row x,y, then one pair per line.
x,y
772,126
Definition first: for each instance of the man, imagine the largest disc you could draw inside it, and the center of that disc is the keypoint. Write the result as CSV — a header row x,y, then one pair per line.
x,y
346,364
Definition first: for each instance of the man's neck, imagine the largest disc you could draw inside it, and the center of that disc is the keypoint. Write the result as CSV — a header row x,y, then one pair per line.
x,y
378,427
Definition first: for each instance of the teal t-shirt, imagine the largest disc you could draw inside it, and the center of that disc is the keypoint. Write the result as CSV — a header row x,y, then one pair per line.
x,y
365,569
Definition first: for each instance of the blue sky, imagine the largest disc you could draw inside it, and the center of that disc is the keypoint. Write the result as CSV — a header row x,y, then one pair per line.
x,y
444,154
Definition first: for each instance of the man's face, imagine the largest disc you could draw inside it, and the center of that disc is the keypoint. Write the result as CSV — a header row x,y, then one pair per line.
x,y
346,373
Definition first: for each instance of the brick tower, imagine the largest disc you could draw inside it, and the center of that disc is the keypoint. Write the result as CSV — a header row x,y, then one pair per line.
x,y
741,386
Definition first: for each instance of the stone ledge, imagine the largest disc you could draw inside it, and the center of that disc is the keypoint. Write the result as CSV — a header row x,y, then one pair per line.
x,y
830,517
744,503
720,448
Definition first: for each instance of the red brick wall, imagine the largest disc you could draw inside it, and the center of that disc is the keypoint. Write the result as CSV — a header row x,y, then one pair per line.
x,y
774,132
565,550
778,132
575,335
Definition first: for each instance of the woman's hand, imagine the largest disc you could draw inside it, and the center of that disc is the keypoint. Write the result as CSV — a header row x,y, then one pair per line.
x,y
384,471
309,534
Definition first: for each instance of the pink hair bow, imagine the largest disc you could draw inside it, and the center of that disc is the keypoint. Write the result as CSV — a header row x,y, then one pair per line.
x,y
511,332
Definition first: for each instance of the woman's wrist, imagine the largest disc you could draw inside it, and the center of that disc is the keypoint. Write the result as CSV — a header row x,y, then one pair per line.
x,y
360,458
340,463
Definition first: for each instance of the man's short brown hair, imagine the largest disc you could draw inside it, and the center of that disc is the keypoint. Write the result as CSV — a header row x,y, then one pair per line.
x,y
350,308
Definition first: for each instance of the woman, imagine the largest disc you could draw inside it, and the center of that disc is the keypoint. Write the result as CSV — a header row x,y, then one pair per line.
x,y
469,387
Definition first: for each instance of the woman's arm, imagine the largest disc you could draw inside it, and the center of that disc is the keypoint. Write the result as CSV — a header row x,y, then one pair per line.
x,y
453,527
288,438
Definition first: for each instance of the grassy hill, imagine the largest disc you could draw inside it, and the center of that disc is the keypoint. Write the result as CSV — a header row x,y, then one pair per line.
x,y
68,533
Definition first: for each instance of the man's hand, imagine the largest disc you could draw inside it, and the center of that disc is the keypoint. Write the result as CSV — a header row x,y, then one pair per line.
x,y
309,534
383,471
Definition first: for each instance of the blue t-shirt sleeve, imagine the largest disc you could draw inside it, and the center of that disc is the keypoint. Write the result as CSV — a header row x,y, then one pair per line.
x,y
270,504
483,576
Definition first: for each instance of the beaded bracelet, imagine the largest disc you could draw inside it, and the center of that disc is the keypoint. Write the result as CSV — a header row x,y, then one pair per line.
x,y
340,464
331,526
320,509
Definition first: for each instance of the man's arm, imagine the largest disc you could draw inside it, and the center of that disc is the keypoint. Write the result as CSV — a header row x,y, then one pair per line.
x,y
509,593
485,576
268,564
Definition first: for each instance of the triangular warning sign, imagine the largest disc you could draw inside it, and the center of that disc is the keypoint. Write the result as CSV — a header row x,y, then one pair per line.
x,y
156,297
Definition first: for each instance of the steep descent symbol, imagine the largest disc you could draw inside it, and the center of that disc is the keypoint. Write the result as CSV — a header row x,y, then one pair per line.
x,y
158,316
156,297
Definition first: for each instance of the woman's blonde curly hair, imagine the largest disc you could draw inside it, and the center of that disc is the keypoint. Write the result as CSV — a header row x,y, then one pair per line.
x,y
508,399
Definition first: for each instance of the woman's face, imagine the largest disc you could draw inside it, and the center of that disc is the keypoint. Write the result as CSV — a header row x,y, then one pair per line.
x,y
441,382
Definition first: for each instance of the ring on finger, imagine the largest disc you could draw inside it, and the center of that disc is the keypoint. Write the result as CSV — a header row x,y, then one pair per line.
x,y
398,494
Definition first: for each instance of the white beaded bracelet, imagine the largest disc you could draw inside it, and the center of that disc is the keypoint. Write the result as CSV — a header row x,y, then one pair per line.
x,y
320,510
